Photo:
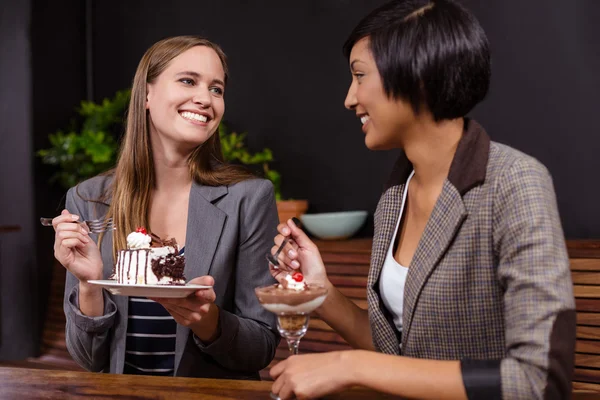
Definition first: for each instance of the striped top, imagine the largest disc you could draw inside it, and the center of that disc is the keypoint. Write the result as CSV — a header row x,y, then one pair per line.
x,y
151,333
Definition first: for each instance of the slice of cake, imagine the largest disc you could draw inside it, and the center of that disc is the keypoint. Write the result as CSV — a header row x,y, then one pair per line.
x,y
149,260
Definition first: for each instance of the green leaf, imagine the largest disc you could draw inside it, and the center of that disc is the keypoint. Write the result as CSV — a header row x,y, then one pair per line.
x,y
234,150
89,148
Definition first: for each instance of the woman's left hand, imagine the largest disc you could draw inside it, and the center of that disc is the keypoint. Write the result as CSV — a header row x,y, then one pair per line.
x,y
309,376
196,311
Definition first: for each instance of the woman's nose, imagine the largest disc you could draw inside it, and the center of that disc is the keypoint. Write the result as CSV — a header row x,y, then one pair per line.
x,y
202,96
350,101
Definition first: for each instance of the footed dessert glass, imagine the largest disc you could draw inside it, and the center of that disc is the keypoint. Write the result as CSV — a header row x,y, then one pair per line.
x,y
293,308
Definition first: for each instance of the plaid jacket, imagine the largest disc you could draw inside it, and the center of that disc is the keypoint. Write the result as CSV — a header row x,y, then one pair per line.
x,y
489,283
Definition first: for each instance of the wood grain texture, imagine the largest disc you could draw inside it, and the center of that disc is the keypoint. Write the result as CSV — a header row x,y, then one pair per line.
x,y
583,248
583,390
586,291
585,264
588,318
586,278
22,383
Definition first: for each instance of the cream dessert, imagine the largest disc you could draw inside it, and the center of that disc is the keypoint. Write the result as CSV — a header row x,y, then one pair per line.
x,y
149,260
292,300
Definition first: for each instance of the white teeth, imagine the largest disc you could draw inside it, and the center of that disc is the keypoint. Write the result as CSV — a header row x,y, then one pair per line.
x,y
194,116
364,119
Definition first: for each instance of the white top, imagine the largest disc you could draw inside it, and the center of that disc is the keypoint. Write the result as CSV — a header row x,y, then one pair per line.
x,y
393,275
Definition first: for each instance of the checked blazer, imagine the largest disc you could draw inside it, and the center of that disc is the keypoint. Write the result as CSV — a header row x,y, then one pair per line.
x,y
489,283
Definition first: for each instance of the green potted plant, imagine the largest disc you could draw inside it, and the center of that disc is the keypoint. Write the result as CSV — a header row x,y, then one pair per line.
x,y
88,147
234,150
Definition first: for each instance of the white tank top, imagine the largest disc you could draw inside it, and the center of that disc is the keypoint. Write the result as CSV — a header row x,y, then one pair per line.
x,y
393,275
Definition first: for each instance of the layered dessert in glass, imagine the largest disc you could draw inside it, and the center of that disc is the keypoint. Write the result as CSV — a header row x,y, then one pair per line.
x,y
292,301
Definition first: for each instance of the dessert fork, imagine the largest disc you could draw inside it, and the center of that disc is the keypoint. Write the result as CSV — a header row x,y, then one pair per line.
x,y
93,225
272,258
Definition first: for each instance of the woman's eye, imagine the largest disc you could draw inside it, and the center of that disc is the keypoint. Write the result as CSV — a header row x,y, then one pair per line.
x,y
358,75
187,81
216,90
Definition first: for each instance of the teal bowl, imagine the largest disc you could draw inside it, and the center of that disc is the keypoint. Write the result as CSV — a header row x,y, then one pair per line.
x,y
334,225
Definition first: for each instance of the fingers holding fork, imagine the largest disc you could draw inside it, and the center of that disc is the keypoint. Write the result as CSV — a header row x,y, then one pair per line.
x,y
284,249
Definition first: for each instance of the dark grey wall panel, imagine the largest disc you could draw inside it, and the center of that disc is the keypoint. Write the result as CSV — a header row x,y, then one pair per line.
x,y
18,284
289,80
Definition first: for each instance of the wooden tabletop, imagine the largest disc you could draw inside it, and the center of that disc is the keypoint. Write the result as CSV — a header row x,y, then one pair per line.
x,y
23,383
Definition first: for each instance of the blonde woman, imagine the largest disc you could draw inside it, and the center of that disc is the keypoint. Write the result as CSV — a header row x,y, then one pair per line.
x,y
171,179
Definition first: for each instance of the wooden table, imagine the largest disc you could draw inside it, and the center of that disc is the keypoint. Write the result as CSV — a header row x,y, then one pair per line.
x,y
22,383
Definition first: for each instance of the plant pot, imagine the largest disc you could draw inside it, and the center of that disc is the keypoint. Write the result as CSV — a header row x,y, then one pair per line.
x,y
291,208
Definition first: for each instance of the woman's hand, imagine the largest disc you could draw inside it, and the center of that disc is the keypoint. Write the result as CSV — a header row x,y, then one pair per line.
x,y
74,249
196,311
312,375
300,253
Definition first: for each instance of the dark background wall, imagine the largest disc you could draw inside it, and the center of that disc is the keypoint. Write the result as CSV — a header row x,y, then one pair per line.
x,y
18,283
289,80
288,83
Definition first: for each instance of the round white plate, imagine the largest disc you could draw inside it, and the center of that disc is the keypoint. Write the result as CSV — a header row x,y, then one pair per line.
x,y
172,291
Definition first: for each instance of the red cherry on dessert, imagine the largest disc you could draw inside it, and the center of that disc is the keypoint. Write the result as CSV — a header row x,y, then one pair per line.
x,y
141,229
297,276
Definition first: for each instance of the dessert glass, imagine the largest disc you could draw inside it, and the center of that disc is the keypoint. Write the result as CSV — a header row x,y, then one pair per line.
x,y
292,308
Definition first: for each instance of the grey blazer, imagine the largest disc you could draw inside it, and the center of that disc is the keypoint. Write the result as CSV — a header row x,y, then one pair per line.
x,y
489,283
229,230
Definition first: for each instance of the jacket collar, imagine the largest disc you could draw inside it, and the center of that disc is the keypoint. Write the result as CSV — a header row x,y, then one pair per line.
x,y
468,166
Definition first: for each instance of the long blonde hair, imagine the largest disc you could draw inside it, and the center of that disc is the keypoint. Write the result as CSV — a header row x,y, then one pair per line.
x,y
134,177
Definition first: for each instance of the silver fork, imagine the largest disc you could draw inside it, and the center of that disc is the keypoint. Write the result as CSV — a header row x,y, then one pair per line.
x,y
272,258
93,225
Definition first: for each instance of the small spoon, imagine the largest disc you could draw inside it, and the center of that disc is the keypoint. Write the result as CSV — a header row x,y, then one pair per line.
x,y
272,258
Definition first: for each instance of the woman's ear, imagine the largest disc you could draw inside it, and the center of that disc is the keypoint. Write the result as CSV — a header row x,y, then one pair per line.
x,y
148,95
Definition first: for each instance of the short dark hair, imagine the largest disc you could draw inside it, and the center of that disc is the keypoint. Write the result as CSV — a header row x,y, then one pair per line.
x,y
431,52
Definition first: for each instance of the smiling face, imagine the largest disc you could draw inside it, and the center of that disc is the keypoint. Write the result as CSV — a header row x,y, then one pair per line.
x,y
385,120
185,102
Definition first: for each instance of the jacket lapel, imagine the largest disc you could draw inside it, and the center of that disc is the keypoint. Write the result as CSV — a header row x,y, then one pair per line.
x,y
383,330
446,218
386,217
204,226
387,214
468,170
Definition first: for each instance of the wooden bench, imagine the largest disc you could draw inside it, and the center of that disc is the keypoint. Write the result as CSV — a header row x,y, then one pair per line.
x,y
585,271
347,265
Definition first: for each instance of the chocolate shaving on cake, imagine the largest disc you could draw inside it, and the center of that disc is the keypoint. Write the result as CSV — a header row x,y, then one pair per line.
x,y
158,242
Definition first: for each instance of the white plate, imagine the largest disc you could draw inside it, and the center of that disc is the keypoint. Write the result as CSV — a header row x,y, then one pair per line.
x,y
172,291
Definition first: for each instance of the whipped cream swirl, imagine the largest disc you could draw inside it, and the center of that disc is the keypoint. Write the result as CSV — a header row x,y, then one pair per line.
x,y
291,283
138,240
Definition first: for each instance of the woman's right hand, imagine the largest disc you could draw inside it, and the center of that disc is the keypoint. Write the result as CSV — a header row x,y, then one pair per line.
x,y
300,253
74,249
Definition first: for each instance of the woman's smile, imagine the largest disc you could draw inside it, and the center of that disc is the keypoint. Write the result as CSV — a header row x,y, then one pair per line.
x,y
196,118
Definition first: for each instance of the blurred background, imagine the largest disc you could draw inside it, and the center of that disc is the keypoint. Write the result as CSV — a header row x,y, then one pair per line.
x,y
286,90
